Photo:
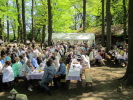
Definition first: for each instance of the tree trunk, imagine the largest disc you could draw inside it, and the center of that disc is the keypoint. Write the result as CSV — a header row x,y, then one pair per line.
x,y
103,27
8,36
124,20
1,29
49,23
128,78
23,18
38,32
84,15
43,34
32,20
19,21
108,17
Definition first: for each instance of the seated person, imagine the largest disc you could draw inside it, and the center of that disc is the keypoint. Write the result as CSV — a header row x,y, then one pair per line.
x,y
98,58
16,68
61,73
48,76
25,70
34,61
8,75
69,57
103,54
3,59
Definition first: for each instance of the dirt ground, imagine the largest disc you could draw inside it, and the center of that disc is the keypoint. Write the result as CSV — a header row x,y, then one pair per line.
x,y
104,87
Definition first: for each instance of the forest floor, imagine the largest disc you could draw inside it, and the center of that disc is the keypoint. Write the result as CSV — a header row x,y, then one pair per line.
x,y
104,87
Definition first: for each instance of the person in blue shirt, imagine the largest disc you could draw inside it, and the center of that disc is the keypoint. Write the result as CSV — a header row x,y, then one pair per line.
x,y
8,57
3,59
60,74
48,76
34,61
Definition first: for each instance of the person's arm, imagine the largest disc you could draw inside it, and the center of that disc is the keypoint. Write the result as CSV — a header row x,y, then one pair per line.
x,y
25,74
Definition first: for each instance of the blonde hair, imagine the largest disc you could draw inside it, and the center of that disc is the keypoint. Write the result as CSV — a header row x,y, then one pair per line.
x,y
17,59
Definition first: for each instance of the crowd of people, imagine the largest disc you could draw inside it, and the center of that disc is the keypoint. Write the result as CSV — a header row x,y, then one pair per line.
x,y
18,61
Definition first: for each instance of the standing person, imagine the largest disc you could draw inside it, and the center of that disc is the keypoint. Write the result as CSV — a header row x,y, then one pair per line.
x,y
8,75
60,74
48,76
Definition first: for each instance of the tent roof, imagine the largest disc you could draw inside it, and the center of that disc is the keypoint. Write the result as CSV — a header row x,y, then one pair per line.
x,y
73,36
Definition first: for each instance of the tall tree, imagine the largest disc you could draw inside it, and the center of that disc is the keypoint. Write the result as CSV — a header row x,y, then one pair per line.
x,y
49,22
8,35
19,21
103,26
108,18
124,19
32,19
1,28
24,23
84,15
128,77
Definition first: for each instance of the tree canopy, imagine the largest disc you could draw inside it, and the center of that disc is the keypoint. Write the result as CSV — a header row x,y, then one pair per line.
x,y
67,16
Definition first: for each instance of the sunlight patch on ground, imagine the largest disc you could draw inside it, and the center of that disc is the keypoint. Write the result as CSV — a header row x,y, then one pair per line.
x,y
91,98
2,93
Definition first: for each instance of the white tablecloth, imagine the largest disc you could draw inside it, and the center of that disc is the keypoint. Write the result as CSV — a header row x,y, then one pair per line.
x,y
98,57
36,75
74,72
118,56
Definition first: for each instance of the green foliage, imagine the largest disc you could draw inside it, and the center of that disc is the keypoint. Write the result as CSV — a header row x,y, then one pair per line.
x,y
67,15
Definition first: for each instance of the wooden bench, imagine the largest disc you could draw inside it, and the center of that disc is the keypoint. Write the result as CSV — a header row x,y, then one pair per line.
x,y
62,80
88,78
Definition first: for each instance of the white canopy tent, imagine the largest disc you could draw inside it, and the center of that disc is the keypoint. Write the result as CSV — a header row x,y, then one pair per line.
x,y
73,37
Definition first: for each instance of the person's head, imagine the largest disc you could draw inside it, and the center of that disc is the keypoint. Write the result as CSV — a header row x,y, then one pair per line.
x,y
48,63
7,63
61,60
9,54
21,57
71,53
35,55
52,57
28,62
17,59
3,57
24,54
